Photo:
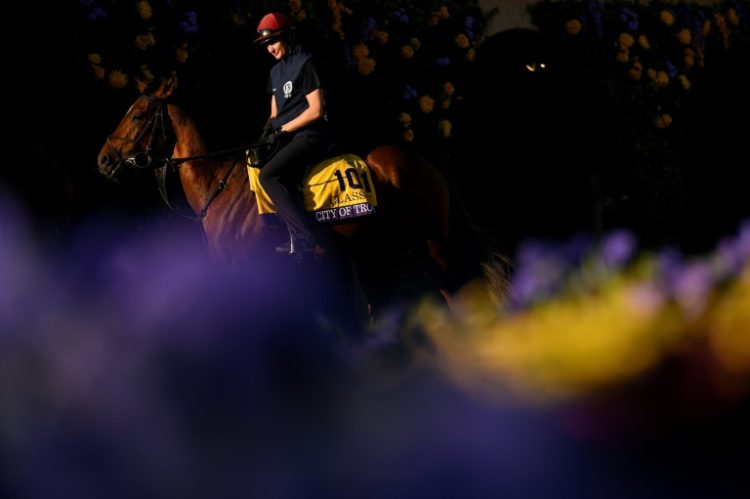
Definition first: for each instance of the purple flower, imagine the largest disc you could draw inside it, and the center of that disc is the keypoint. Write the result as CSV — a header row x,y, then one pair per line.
x,y
469,22
692,287
190,25
617,248
469,34
630,18
442,61
671,69
743,240
409,93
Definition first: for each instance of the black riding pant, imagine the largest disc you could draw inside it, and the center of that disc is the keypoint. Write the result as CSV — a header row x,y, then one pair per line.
x,y
280,177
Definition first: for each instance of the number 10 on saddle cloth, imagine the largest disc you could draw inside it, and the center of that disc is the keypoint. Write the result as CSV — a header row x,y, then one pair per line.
x,y
335,189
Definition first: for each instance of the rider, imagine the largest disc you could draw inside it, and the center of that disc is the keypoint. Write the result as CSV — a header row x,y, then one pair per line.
x,y
295,129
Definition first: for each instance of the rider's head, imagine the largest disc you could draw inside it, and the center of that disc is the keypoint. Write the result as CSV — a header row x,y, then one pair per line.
x,y
273,28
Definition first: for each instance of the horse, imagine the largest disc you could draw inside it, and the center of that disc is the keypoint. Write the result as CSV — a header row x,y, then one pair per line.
x,y
416,206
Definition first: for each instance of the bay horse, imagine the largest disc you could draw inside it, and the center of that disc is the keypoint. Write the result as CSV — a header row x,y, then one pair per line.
x,y
416,208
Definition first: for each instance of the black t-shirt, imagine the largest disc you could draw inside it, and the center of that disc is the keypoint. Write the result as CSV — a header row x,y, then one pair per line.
x,y
290,80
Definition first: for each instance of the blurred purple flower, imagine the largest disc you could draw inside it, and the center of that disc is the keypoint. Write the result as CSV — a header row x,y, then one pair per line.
x,y
442,61
693,286
669,263
409,93
190,25
617,248
469,22
401,15
469,34
97,13
630,18
595,10
671,69
743,240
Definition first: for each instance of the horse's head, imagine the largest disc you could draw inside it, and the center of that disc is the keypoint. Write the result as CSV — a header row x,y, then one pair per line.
x,y
143,135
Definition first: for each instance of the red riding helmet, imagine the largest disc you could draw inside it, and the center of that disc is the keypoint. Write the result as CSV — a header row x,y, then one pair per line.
x,y
272,25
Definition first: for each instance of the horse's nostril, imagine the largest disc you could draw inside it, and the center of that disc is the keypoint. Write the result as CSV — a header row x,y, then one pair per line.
x,y
103,160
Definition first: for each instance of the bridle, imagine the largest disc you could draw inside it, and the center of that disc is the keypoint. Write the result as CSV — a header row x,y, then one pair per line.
x,y
154,125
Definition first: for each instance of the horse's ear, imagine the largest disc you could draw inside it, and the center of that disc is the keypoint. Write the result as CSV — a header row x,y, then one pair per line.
x,y
166,88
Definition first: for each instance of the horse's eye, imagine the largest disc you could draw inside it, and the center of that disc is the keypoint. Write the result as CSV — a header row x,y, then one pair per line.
x,y
138,117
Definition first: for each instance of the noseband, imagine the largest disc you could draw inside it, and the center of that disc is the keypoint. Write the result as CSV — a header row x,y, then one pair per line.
x,y
155,125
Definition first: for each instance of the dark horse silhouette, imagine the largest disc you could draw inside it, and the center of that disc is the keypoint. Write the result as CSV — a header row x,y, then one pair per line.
x,y
416,212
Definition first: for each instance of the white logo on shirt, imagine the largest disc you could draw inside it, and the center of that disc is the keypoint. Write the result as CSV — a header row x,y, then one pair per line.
x,y
287,89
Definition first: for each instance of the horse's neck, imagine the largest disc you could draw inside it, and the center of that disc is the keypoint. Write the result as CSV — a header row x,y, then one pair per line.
x,y
198,176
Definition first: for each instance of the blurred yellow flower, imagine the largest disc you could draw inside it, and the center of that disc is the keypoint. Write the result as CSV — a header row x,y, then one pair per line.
x,y
448,88
301,15
470,55
409,135
445,128
405,118
643,42
666,17
663,121
662,78
651,73
462,41
148,76
360,51
728,326
426,104
433,19
446,104
689,57
145,41
407,52
366,65
444,12
636,71
118,79
683,36
625,41
94,58
684,82
181,54
573,27
144,10
414,42
99,71
734,19
295,6
706,27
381,37
623,56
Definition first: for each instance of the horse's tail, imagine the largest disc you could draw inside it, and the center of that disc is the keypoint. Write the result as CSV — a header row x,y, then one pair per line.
x,y
480,253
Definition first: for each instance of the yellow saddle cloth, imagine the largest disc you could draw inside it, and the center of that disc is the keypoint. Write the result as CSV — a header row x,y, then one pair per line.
x,y
335,189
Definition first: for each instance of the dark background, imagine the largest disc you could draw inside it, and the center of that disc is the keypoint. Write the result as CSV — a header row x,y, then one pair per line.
x,y
536,155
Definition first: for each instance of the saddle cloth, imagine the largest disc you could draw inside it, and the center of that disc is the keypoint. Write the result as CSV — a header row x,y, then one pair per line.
x,y
335,189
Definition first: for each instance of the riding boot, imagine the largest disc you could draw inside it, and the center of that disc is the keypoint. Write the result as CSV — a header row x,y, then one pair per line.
x,y
287,247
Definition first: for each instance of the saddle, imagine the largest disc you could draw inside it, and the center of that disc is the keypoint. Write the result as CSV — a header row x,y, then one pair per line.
x,y
335,189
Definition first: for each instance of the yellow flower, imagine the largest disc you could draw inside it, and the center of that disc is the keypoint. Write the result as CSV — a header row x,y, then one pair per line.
x,y
462,41
445,128
684,82
118,79
301,15
623,56
444,12
181,54
689,57
706,27
148,76
409,135
99,71
360,51
625,41
144,10
295,6
407,52
573,27
643,42
470,55
663,121
381,37
651,73
433,19
426,104
662,78
446,104
94,58
145,41
683,36
448,88
666,17
636,71
366,65
414,42
405,118
734,19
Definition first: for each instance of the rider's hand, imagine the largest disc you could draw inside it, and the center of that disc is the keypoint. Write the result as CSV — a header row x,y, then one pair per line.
x,y
272,137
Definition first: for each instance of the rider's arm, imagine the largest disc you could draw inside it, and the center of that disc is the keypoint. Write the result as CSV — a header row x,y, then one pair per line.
x,y
313,113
